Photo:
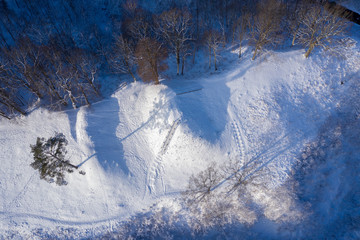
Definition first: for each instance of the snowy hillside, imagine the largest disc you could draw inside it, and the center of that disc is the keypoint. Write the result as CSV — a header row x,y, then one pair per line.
x,y
141,145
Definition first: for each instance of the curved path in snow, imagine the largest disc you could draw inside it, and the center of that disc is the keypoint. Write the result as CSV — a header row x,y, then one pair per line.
x,y
5,215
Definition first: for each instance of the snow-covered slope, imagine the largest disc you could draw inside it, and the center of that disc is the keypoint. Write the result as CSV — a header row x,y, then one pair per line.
x,y
141,145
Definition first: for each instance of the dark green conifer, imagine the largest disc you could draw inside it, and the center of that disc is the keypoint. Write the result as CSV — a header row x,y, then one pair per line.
x,y
49,159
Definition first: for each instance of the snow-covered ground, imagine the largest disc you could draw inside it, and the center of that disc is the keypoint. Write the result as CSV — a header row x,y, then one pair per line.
x,y
140,146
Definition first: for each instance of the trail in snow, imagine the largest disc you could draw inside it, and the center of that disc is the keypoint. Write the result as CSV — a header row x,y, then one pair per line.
x,y
156,171
22,193
238,136
10,215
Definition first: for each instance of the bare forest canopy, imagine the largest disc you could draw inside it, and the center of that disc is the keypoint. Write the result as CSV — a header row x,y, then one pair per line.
x,y
350,15
54,54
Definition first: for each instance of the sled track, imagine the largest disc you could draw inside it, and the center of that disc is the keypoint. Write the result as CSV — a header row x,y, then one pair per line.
x,y
156,171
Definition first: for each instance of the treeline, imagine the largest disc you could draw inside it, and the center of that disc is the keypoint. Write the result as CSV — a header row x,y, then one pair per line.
x,y
52,52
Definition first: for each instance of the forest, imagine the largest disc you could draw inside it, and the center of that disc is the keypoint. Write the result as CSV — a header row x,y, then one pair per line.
x,y
54,54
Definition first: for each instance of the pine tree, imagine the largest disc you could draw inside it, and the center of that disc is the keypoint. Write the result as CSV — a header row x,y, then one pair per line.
x,y
49,156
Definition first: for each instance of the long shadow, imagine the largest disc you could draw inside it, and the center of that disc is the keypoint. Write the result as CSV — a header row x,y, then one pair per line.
x,y
204,111
103,121
156,113
72,115
327,174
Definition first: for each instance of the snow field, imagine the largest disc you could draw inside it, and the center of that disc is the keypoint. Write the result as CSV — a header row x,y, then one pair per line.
x,y
136,151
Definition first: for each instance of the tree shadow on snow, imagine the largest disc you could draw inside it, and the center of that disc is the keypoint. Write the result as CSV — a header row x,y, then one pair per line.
x,y
204,102
326,175
103,120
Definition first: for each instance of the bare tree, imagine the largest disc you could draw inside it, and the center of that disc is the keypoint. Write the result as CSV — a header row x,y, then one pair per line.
x,y
67,81
186,51
123,56
139,27
242,174
201,185
220,194
8,101
295,17
129,8
213,40
322,27
266,25
175,27
23,61
240,28
150,55
10,98
86,66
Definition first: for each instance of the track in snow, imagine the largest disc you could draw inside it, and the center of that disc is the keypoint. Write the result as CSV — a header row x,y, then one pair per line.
x,y
156,171
238,136
22,193
155,174
11,215
170,135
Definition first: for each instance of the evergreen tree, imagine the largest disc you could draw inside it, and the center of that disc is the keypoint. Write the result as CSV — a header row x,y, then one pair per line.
x,y
49,156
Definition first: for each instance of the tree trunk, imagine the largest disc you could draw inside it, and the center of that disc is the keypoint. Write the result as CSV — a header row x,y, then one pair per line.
x,y
209,57
177,61
71,165
63,161
240,50
92,84
129,70
215,59
30,86
255,52
156,75
183,64
72,99
84,94
2,114
293,40
157,82
12,106
294,37
311,47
